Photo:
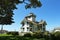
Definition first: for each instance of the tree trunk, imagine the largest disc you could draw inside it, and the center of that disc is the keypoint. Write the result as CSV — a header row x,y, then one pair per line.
x,y
1,29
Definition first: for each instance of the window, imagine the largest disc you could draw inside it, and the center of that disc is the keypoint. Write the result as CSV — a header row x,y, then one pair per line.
x,y
27,28
27,23
43,29
23,24
31,25
30,29
23,29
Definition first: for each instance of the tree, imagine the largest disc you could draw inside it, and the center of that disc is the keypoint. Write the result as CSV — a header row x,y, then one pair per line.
x,y
6,19
7,7
57,35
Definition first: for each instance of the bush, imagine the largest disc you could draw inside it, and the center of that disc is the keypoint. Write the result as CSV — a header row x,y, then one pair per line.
x,y
42,38
38,35
57,35
27,35
12,33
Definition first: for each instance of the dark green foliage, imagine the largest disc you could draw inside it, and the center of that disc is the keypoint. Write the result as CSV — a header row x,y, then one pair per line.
x,y
43,39
14,38
13,33
27,35
33,3
57,35
11,4
54,36
38,35
6,18
7,7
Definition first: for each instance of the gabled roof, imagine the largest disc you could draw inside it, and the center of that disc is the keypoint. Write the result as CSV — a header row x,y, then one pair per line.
x,y
31,22
43,22
24,20
35,23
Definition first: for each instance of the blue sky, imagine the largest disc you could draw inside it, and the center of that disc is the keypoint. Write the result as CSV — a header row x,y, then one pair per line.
x,y
50,12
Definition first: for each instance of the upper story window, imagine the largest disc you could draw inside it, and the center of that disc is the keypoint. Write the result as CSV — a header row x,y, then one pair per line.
x,y
27,28
30,29
27,23
23,24
31,25
23,29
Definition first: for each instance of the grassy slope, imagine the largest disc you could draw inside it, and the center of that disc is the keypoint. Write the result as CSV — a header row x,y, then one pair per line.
x,y
5,35
11,37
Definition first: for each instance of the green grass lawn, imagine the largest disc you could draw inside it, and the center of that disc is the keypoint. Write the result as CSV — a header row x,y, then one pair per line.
x,y
14,38
5,35
11,37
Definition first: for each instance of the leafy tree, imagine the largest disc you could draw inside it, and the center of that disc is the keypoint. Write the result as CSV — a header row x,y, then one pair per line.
x,y
57,35
6,19
7,7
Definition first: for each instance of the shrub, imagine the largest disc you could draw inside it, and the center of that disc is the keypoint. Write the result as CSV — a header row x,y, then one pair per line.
x,y
12,33
27,35
42,38
57,35
38,35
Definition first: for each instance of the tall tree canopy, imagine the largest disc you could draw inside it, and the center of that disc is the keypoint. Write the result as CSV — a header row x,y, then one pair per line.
x,y
7,7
